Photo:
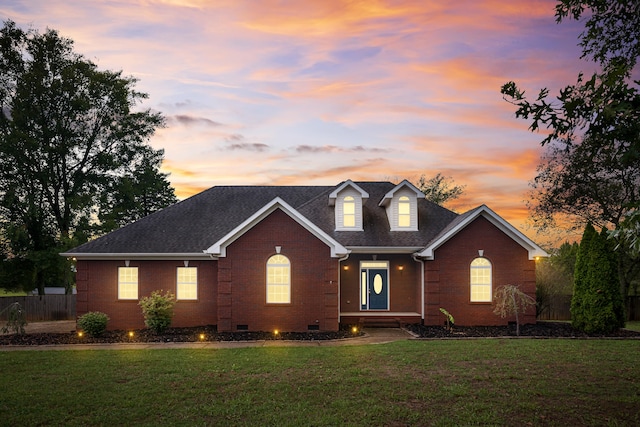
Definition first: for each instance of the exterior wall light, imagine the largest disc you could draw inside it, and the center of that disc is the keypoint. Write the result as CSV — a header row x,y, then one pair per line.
x,y
345,267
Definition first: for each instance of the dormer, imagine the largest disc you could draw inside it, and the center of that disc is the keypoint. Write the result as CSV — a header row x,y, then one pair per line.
x,y
348,199
401,204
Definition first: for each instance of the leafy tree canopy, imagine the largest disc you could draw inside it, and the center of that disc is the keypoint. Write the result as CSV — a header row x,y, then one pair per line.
x,y
439,189
69,133
590,171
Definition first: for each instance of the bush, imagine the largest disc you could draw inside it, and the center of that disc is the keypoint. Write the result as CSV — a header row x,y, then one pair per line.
x,y
157,310
16,319
93,323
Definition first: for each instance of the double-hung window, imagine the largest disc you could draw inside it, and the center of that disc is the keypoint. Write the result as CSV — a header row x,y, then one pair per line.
x,y
128,283
404,212
187,283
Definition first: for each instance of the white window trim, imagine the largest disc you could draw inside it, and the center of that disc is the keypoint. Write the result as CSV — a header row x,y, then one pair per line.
x,y
178,283
121,284
268,284
357,211
472,285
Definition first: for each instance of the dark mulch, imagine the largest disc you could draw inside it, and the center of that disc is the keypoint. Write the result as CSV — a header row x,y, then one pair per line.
x,y
171,335
209,333
540,329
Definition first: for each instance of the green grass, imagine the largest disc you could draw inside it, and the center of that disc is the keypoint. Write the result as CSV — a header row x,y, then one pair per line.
x,y
441,383
634,325
6,293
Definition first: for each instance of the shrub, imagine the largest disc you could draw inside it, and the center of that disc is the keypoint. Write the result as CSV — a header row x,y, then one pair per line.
x,y
16,319
93,323
157,310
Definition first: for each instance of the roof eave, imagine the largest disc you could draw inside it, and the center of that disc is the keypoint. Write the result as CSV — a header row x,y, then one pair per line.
x,y
138,256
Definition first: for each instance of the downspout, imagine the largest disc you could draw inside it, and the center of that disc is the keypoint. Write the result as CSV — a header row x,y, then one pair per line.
x,y
415,258
344,258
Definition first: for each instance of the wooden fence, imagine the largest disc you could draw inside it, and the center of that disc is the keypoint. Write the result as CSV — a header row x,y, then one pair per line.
x,y
42,308
559,308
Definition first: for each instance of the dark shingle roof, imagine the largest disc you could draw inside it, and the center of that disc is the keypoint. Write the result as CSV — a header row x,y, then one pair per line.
x,y
194,224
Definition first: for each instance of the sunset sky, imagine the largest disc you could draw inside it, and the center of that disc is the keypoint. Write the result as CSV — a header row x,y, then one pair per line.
x,y
277,92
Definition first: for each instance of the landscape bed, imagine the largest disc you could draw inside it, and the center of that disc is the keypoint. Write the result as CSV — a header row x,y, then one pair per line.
x,y
210,334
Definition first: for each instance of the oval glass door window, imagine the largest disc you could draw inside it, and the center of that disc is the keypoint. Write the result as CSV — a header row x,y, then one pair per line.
x,y
377,284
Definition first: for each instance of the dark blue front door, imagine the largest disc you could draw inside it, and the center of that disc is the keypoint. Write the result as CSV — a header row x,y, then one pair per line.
x,y
376,282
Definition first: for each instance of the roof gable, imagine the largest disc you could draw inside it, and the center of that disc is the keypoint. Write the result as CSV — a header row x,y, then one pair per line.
x,y
465,219
404,184
218,249
348,183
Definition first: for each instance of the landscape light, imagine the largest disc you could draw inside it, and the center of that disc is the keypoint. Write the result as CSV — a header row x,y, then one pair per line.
x,y
201,337
80,334
130,334
354,329
276,332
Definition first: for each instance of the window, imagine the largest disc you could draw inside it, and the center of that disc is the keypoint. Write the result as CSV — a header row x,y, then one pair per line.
x,y
127,282
480,280
187,283
404,212
348,212
278,280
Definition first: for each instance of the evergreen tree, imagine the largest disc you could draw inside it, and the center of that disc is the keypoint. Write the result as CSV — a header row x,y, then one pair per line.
x,y
578,315
597,305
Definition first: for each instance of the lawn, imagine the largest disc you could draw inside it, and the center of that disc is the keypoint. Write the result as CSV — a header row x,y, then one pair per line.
x,y
634,325
448,382
6,293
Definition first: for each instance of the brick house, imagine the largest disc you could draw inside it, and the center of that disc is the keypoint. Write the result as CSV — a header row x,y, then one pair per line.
x,y
298,258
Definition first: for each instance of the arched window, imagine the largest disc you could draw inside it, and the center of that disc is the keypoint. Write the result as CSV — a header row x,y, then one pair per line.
x,y
348,212
404,212
480,280
278,280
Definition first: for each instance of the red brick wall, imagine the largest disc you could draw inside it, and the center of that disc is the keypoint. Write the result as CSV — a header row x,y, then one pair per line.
x,y
447,277
97,286
242,279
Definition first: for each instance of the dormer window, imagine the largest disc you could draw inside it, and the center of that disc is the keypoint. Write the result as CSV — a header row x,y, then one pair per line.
x,y
401,205
348,212
348,199
404,212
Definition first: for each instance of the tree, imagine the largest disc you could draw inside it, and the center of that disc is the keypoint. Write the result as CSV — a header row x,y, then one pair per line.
x,y
554,276
68,131
135,194
439,189
596,306
510,300
591,168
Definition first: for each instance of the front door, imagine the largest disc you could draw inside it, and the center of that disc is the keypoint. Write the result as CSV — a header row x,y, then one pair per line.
x,y
374,285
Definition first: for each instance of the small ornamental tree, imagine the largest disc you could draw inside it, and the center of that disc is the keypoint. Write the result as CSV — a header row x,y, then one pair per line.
x,y
510,300
157,310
